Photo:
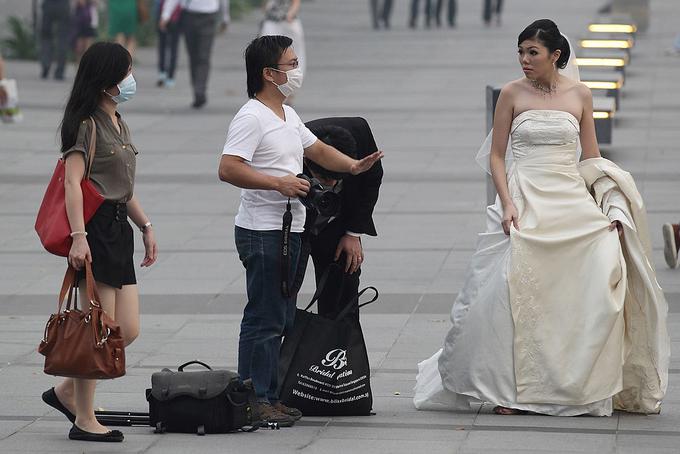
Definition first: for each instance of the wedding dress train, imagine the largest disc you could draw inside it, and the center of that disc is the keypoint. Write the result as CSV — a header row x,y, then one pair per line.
x,y
561,317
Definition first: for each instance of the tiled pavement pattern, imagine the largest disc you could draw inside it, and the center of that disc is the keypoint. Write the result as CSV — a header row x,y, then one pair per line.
x,y
423,94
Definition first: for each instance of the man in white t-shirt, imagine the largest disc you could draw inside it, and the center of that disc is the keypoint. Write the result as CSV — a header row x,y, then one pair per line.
x,y
265,145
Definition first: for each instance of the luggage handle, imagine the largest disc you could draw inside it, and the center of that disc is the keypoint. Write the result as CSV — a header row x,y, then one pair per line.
x,y
348,308
181,368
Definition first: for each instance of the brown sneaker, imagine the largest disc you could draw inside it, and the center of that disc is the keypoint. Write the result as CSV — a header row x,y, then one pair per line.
x,y
671,242
270,415
290,411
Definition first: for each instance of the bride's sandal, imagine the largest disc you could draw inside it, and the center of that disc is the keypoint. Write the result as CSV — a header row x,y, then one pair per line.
x,y
505,411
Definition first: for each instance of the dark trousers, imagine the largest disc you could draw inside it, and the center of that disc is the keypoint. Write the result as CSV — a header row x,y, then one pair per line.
x,y
381,12
492,8
450,14
199,35
167,50
54,36
432,8
341,288
268,315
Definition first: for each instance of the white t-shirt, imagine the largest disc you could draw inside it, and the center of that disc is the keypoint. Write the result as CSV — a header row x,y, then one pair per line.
x,y
274,147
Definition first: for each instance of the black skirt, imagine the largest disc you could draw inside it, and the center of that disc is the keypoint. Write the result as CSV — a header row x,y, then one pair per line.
x,y
111,241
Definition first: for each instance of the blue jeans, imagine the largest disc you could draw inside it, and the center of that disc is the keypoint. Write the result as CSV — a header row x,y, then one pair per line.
x,y
268,315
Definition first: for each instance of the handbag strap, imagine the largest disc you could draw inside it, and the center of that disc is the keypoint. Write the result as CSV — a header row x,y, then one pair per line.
x,y
72,298
354,300
70,284
67,286
322,284
91,149
91,286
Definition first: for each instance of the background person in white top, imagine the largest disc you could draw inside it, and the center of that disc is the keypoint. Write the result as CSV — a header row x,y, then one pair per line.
x,y
263,154
281,17
199,24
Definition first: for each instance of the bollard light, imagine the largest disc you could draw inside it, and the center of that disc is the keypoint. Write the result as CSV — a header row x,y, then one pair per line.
x,y
606,43
613,62
601,85
612,28
599,115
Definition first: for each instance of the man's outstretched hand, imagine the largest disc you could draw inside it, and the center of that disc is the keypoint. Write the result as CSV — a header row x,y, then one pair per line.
x,y
364,164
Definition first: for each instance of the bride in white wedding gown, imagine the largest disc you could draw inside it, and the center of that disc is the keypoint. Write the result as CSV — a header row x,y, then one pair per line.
x,y
560,312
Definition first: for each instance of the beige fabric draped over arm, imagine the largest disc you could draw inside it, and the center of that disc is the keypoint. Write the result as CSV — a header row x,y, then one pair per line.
x,y
647,345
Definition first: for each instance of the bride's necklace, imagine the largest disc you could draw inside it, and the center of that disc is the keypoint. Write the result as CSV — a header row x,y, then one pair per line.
x,y
545,91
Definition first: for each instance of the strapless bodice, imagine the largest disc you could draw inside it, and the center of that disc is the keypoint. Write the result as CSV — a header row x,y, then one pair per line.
x,y
540,131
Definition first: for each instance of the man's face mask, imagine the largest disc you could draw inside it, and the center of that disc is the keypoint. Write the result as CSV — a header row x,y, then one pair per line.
x,y
294,81
127,89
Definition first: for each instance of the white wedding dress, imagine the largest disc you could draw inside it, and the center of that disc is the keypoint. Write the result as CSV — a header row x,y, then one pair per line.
x,y
560,317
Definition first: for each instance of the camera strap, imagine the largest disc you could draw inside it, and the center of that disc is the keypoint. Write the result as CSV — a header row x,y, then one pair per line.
x,y
285,250
305,251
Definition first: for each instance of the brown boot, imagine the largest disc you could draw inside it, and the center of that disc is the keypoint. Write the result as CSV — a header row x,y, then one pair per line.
x,y
671,242
290,411
266,413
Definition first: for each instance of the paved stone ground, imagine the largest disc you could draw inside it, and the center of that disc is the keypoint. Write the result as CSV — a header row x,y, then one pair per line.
x,y
423,94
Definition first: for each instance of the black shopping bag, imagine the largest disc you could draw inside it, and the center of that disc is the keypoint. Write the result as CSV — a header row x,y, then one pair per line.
x,y
324,368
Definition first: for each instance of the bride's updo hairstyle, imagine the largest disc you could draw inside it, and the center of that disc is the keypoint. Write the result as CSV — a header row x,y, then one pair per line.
x,y
546,31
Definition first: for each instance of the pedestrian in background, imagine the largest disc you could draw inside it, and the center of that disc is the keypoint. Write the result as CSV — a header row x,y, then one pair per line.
x,y
168,41
675,50
429,13
281,19
671,244
85,23
199,25
123,21
3,90
381,10
54,37
450,13
492,11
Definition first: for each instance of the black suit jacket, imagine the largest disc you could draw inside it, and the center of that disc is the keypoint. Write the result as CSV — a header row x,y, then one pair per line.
x,y
359,192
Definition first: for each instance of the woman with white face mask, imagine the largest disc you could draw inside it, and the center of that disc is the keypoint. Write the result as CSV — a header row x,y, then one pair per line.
x,y
281,17
103,81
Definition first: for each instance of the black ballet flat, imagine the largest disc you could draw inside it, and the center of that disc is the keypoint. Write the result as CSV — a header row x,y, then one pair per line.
x,y
51,399
112,436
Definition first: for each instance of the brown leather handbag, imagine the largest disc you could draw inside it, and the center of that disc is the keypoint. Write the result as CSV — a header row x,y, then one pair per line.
x,y
82,343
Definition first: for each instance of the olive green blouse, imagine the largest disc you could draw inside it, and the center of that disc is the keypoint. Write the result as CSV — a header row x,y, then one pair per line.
x,y
115,158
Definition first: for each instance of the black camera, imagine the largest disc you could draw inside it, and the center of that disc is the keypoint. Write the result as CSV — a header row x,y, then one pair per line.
x,y
325,201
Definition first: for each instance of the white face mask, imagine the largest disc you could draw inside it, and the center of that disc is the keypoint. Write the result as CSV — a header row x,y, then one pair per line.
x,y
294,81
126,88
